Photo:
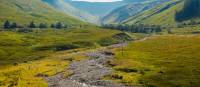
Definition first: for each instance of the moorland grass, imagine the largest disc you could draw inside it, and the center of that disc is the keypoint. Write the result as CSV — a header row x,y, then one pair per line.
x,y
160,61
18,47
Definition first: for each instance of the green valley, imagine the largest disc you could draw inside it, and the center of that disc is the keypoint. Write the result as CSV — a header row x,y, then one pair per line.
x,y
99,43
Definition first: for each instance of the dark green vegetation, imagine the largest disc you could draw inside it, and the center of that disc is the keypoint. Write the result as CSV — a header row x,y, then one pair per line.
x,y
190,10
159,61
15,26
16,47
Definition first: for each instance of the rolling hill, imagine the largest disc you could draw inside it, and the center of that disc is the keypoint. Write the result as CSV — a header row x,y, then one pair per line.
x,y
25,11
170,13
122,13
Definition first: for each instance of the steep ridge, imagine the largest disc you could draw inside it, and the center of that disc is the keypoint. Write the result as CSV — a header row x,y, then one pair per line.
x,y
25,11
122,13
163,14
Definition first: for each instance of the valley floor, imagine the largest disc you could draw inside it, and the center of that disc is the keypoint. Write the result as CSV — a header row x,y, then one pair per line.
x,y
155,61
26,57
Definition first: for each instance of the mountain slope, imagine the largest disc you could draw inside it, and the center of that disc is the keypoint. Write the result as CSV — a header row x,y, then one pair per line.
x,y
99,9
163,14
72,11
122,13
25,11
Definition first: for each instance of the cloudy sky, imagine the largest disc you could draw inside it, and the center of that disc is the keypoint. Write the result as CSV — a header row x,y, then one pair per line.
x,y
98,0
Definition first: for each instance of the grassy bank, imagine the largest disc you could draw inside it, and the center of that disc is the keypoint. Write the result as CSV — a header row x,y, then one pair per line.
x,y
160,61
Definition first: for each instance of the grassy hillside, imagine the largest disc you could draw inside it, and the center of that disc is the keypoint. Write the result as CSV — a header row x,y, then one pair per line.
x,y
164,14
72,11
123,13
24,11
159,61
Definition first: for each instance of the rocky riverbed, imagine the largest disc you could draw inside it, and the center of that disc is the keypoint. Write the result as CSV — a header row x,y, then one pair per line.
x,y
89,72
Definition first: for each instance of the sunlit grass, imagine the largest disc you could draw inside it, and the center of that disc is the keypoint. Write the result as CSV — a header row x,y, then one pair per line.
x,y
160,61
25,75
32,73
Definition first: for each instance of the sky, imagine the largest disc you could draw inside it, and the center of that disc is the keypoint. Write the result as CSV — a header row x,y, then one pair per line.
x,y
98,0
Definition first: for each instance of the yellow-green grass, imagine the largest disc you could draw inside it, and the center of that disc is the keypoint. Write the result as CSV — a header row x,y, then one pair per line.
x,y
21,47
30,74
25,11
24,75
159,61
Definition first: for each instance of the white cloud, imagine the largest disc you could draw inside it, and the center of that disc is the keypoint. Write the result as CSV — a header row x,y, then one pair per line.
x,y
98,0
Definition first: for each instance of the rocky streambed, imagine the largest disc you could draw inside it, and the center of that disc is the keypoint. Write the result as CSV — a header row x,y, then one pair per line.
x,y
89,72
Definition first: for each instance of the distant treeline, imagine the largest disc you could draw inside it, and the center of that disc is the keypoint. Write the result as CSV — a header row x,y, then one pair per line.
x,y
10,25
188,23
136,28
